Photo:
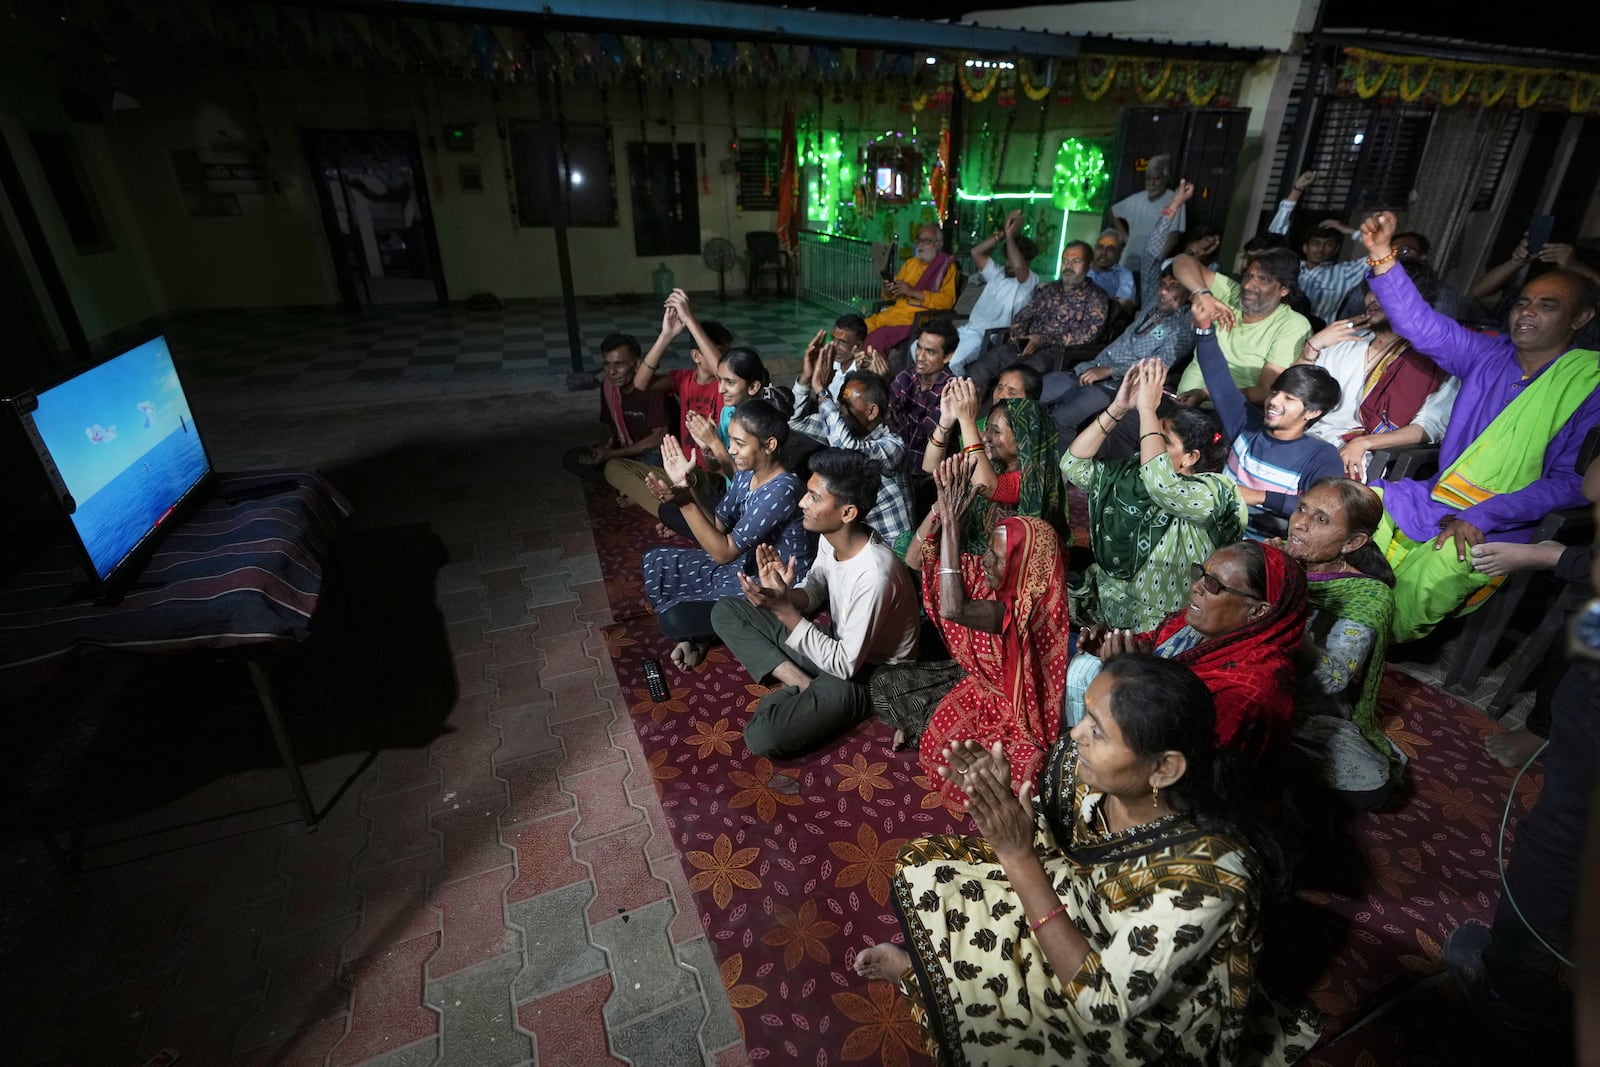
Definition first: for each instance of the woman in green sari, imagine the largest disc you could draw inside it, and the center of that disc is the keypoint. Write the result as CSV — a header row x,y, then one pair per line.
x,y
1115,918
1350,590
1150,515
1020,442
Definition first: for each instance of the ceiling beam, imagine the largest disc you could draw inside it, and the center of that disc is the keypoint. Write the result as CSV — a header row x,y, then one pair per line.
x,y
720,18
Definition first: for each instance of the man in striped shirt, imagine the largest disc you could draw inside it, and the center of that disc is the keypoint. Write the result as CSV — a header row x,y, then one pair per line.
x,y
1272,458
1325,279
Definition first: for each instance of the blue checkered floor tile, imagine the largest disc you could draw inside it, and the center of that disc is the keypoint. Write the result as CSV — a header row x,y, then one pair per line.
x,y
304,349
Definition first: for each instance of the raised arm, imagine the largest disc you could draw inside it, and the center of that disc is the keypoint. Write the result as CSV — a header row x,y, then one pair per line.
x,y
679,301
1225,394
1446,342
644,377
1497,277
1020,267
1194,275
1150,270
1285,212
956,491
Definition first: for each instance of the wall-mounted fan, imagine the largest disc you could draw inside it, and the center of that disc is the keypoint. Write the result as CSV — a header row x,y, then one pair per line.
x,y
720,256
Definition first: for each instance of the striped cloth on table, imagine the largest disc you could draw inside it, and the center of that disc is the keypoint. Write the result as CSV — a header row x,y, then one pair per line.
x,y
231,574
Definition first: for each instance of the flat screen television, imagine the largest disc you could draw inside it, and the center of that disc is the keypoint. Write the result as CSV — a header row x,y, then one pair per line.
x,y
121,453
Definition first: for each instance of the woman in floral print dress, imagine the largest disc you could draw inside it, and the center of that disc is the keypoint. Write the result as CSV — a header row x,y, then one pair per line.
x,y
1122,926
1153,514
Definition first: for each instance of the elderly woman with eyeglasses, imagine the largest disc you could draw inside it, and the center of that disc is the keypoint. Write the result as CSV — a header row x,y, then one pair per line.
x,y
1239,633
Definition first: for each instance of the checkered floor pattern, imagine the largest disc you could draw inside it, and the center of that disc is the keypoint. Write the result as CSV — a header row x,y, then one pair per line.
x,y
310,348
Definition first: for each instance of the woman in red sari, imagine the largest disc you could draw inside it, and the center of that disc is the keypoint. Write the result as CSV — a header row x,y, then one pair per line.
x,y
1239,634
1012,648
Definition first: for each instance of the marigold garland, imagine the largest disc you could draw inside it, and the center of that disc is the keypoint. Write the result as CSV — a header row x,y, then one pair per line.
x,y
1200,89
1095,85
1587,84
1029,89
1526,99
1150,80
1412,93
1451,94
977,96
1412,78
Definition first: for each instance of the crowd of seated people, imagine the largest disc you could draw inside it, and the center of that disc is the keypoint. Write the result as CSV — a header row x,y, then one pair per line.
x,y
1161,692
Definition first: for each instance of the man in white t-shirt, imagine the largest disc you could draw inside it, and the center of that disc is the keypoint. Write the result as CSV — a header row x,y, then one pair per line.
x,y
1136,215
1006,288
869,596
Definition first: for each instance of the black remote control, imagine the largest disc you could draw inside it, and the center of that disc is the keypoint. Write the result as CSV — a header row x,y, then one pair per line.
x,y
654,681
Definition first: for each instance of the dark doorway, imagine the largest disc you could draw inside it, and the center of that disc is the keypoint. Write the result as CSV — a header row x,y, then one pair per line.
x,y
375,211
1204,145
666,199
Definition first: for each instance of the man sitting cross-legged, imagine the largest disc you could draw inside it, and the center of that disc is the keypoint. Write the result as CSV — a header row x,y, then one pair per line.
x,y
869,596
1162,331
638,419
858,421
1510,453
1272,458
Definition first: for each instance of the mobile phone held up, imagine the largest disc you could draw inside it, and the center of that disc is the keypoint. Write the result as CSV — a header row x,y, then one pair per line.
x,y
1540,228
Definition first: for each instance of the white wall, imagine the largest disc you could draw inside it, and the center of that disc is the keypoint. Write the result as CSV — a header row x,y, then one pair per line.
x,y
1268,24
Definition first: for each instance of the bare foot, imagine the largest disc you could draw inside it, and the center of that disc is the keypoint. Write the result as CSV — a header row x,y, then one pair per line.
x,y
665,532
688,654
1503,557
1514,747
899,744
790,674
882,963
625,501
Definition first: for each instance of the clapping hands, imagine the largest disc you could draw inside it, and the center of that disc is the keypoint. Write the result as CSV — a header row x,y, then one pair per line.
x,y
1004,819
959,399
773,579
702,429
1104,641
1150,379
678,465
953,478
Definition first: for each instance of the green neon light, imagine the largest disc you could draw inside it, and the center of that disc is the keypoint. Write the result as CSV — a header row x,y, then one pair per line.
x,y
962,194
1061,247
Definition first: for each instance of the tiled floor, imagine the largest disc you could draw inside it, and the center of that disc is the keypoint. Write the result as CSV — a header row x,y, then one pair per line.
x,y
494,883
453,346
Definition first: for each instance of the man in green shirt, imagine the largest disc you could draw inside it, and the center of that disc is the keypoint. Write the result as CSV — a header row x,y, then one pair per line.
x,y
1259,334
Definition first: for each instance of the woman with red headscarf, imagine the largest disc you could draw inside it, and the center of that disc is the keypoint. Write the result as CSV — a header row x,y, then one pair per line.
x,y
1003,616
1239,634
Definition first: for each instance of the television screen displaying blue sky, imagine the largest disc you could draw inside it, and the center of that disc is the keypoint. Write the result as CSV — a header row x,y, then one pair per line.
x,y
99,423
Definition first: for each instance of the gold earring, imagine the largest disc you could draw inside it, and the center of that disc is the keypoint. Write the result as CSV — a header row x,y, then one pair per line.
x,y
1155,797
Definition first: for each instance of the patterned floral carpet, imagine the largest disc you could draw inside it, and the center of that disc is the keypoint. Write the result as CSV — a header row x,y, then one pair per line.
x,y
790,862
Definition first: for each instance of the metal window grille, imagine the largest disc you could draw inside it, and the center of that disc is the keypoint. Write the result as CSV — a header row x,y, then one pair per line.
x,y
758,175
1494,167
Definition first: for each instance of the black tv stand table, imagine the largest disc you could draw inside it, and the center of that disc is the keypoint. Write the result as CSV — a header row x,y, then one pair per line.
x,y
241,574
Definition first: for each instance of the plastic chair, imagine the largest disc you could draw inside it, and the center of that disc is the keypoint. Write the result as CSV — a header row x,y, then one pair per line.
x,y
765,257
1489,624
